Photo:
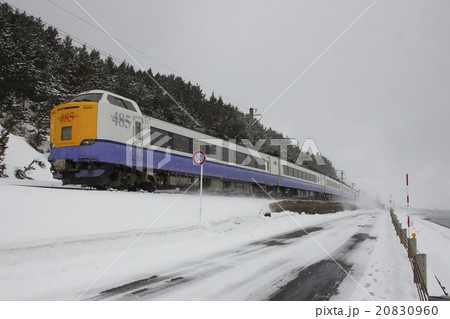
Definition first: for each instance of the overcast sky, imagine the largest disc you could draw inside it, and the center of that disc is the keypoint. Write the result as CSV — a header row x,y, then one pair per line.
x,y
376,103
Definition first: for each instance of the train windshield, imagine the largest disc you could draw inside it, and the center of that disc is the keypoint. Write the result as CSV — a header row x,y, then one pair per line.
x,y
89,97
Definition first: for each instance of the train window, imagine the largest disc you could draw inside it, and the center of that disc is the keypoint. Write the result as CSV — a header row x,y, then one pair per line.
x,y
225,154
258,163
252,162
209,149
217,151
242,159
262,164
121,103
291,171
181,143
66,133
159,137
90,97
129,105
248,160
333,184
115,101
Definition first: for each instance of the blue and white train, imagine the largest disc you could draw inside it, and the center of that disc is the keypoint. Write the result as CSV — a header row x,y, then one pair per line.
x,y
103,140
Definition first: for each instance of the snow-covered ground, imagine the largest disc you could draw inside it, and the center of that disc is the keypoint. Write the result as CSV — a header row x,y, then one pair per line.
x,y
434,241
70,244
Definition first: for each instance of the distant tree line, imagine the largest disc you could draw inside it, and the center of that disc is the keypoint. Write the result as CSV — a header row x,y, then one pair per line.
x,y
39,69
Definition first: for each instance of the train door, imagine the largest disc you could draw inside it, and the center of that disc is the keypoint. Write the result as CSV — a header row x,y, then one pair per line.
x,y
278,162
138,153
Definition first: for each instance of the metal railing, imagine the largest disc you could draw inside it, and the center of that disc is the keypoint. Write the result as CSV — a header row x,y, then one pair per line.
x,y
418,261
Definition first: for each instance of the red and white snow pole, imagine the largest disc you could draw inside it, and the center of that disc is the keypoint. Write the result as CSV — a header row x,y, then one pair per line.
x,y
407,200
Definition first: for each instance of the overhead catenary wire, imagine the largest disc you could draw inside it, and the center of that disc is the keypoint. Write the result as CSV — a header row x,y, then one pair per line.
x,y
135,61
127,53
105,54
139,51
81,42
117,60
75,39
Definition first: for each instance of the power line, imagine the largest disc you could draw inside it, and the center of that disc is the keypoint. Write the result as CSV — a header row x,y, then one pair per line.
x,y
118,60
74,39
137,63
136,49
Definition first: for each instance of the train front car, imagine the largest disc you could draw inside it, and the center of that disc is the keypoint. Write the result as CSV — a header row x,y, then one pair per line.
x,y
90,137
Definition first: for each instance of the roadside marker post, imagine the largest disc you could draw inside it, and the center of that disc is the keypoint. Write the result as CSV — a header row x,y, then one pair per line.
x,y
407,200
199,158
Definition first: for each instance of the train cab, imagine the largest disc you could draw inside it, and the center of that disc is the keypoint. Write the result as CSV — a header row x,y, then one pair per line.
x,y
89,134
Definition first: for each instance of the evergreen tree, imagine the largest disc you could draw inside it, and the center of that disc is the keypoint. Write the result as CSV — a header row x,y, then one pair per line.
x,y
39,70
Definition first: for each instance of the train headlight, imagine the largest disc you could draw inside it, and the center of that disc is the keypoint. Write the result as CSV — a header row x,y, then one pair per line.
x,y
87,142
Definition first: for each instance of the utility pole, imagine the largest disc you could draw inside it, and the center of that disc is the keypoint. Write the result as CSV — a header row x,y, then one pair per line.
x,y
250,124
341,180
342,175
251,121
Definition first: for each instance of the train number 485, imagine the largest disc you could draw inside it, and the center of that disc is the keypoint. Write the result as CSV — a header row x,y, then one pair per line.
x,y
66,117
121,120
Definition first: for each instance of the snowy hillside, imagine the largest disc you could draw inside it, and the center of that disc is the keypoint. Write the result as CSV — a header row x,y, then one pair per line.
x,y
20,154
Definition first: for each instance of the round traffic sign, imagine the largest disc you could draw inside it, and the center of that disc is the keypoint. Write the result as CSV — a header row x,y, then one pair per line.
x,y
199,158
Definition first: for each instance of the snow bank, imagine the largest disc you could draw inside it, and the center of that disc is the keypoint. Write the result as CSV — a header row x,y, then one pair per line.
x,y
34,215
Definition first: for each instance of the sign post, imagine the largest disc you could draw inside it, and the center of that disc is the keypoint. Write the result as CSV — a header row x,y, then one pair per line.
x,y
199,158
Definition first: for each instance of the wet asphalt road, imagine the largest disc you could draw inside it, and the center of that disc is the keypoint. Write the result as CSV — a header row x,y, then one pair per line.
x,y
317,281
321,280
